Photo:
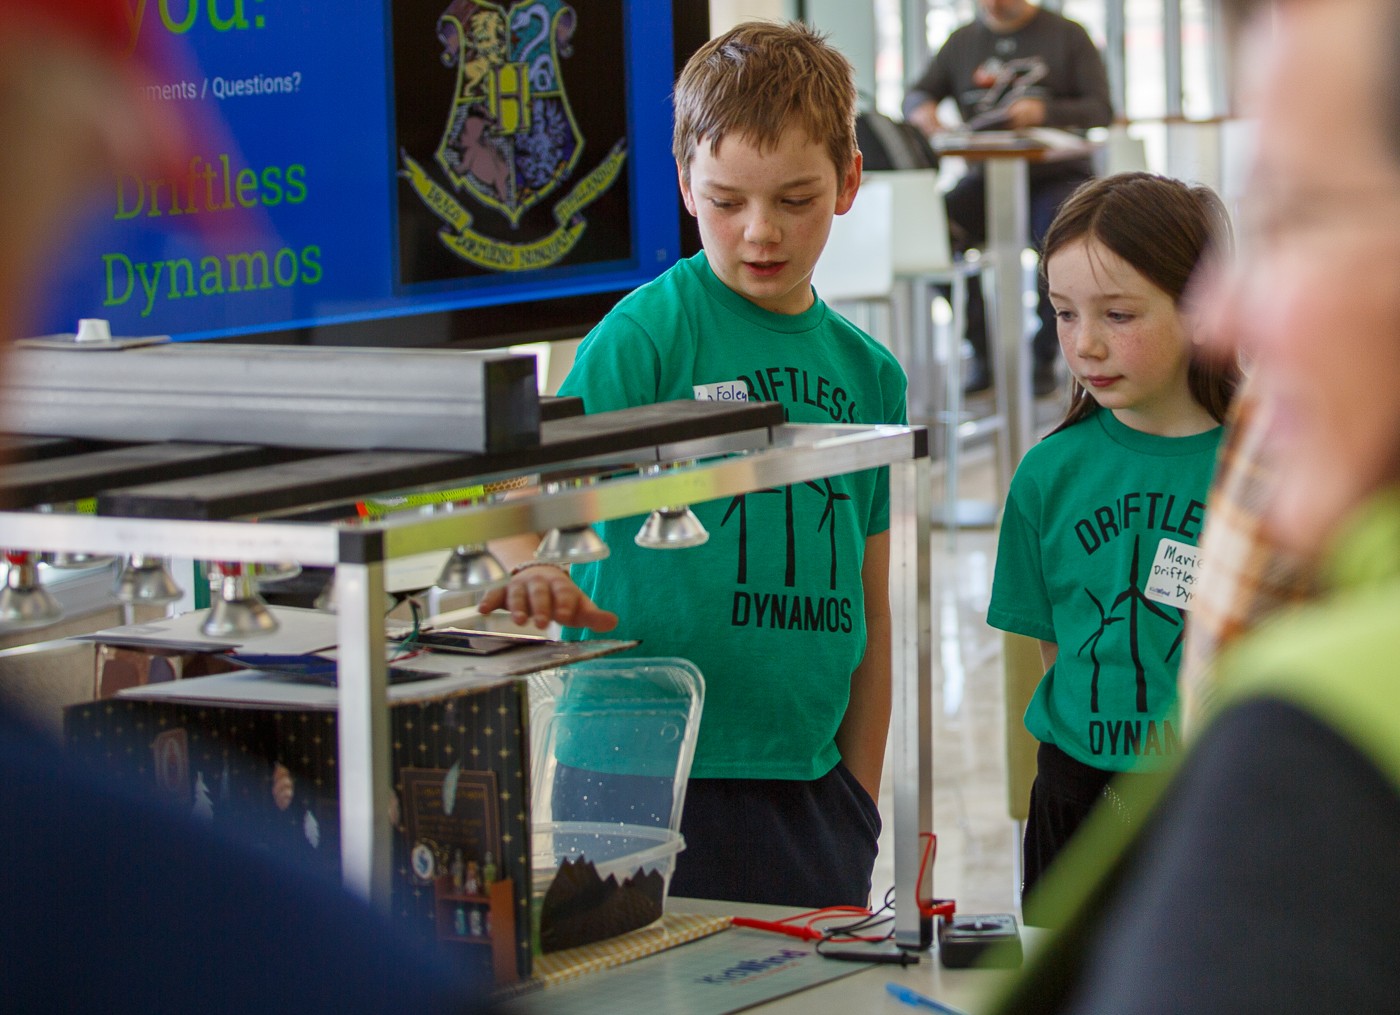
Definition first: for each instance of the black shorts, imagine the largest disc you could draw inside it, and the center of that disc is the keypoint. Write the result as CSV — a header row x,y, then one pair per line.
x,y
779,841
1063,794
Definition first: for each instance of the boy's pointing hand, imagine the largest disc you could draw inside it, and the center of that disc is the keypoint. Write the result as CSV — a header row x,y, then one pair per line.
x,y
544,593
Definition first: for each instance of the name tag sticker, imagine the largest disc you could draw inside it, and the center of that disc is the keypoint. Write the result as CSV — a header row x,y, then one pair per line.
x,y
724,391
1175,572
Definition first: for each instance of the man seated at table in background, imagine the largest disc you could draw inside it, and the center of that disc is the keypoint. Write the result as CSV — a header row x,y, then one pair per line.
x,y
1016,66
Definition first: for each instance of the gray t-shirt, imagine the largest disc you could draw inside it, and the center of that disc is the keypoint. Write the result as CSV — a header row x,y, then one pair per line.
x,y
1049,58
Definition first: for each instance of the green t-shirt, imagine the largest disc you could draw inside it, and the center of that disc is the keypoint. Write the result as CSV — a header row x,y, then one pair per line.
x,y
771,608
1096,554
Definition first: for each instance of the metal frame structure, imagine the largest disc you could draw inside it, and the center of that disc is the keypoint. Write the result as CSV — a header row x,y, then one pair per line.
x,y
359,552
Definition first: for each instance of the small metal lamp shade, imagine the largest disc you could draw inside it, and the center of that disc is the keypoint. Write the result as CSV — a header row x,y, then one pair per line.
x,y
76,560
671,528
472,568
145,580
266,574
576,545
24,603
238,611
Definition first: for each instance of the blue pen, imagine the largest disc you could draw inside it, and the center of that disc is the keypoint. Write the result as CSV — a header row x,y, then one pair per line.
x,y
916,1000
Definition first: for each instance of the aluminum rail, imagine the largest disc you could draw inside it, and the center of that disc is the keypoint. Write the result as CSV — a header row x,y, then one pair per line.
x,y
798,452
911,726
320,397
359,552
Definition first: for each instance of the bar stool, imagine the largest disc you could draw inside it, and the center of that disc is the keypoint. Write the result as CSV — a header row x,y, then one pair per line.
x,y
888,252
1121,152
856,270
923,258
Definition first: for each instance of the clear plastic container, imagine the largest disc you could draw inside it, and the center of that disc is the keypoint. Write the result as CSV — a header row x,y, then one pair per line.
x,y
594,881
611,744
612,740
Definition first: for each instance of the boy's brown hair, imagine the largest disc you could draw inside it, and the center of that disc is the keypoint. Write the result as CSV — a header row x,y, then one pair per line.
x,y
757,80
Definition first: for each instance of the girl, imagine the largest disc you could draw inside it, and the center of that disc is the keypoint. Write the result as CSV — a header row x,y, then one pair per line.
x,y
1097,555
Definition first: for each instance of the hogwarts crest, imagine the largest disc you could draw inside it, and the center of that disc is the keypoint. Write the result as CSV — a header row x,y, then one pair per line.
x,y
510,141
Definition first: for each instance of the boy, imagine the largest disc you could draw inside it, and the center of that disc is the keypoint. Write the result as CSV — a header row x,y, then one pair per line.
x,y
785,610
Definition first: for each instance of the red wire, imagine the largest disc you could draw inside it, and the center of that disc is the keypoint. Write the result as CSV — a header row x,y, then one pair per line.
x,y
930,908
930,853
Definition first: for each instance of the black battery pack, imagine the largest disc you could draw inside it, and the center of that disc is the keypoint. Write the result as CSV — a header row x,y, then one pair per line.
x,y
990,940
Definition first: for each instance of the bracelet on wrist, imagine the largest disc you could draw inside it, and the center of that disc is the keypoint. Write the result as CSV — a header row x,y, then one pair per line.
x,y
537,563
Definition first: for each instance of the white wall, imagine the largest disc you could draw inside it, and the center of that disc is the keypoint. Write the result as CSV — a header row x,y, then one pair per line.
x,y
850,25
725,14
851,28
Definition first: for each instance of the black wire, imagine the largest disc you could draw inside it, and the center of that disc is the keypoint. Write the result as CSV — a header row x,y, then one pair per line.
x,y
876,918
900,957
872,920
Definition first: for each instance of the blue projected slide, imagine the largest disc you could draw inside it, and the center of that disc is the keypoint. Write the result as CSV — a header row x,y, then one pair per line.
x,y
381,159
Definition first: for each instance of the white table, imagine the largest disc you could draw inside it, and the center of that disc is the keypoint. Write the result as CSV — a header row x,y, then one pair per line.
x,y
864,991
664,979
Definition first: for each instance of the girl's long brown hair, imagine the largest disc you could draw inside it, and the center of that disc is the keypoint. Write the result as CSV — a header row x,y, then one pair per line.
x,y
1165,229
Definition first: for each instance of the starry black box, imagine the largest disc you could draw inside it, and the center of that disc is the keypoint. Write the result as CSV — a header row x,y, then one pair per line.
x,y
269,773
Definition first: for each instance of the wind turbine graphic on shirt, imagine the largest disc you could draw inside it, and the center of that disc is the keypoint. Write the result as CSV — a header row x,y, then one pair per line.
x,y
739,506
828,518
1137,600
1092,644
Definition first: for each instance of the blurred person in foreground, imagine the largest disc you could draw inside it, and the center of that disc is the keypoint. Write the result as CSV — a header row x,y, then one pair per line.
x,y
111,903
1246,573
1264,878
